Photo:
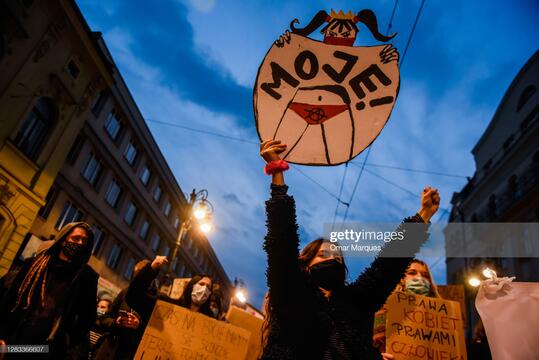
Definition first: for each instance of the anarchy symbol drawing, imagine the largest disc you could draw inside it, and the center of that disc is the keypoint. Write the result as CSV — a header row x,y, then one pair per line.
x,y
327,100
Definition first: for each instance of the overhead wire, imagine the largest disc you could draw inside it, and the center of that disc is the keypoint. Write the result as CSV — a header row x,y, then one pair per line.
x,y
340,194
368,150
338,198
203,131
400,66
412,33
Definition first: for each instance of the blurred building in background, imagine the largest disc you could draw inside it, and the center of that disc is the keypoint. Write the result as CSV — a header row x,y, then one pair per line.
x,y
505,185
74,146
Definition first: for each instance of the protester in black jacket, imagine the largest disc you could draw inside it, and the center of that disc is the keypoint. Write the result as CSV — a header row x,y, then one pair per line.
x,y
51,300
313,314
141,294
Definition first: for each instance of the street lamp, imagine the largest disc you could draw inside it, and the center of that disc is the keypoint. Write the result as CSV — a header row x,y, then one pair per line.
x,y
240,296
474,281
198,207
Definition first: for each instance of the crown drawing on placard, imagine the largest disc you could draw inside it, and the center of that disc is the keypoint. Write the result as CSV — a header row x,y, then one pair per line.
x,y
341,15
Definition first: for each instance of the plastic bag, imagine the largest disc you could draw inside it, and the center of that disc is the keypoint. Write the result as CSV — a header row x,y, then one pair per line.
x,y
510,314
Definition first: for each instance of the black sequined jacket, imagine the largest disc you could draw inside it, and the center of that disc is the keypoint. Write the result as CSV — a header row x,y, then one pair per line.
x,y
303,322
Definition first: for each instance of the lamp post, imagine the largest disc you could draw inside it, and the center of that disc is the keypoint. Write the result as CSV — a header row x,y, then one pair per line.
x,y
199,208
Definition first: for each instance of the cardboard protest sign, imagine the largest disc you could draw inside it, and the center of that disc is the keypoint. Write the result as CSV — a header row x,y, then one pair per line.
x,y
177,333
178,285
454,293
420,327
253,324
326,100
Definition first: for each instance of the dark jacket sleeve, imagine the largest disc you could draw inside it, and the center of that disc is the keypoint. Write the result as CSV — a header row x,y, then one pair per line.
x,y
9,287
85,316
281,245
138,296
377,282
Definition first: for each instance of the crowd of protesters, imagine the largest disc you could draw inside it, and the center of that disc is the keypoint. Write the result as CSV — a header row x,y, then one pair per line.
x,y
51,300
311,311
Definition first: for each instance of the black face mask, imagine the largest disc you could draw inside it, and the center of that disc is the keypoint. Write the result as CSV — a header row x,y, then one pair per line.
x,y
328,274
73,251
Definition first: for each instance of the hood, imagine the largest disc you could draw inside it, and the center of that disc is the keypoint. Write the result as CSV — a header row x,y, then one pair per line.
x,y
53,246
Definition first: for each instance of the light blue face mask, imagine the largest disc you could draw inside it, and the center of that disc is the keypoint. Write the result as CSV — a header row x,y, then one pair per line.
x,y
418,286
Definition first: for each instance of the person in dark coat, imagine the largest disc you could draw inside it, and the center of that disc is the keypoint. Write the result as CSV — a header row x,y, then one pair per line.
x,y
142,297
126,329
313,313
52,298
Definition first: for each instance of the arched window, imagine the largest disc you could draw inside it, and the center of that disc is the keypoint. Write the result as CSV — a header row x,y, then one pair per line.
x,y
525,96
36,128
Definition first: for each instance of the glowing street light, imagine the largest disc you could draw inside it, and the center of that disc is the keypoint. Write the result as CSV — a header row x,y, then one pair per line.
x,y
199,208
474,281
205,227
200,214
489,273
241,296
203,209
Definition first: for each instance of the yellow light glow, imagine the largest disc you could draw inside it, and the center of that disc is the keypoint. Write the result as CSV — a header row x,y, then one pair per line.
x,y
205,227
475,282
489,273
240,295
200,213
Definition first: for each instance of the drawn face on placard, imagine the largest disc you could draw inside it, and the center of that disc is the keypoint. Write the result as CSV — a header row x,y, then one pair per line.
x,y
327,101
340,32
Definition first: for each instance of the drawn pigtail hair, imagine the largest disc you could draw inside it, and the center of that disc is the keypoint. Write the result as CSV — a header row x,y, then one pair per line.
x,y
368,18
320,18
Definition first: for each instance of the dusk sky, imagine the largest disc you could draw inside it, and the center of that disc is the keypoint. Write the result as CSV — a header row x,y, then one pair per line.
x,y
193,63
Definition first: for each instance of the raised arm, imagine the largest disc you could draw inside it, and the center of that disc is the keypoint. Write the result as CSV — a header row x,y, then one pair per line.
x,y
281,242
138,295
381,278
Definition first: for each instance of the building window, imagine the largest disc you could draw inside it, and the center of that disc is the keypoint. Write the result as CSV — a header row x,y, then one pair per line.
x,y
113,194
114,256
75,150
70,213
156,242
508,142
93,169
113,126
530,118
128,273
157,193
72,69
99,102
36,128
167,207
145,175
98,239
176,222
166,250
49,202
144,229
180,268
131,153
525,96
130,213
